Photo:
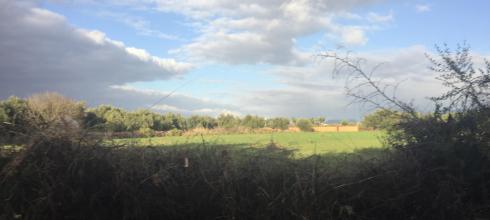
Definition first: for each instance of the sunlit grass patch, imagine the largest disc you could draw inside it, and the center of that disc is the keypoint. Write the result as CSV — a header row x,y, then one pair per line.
x,y
306,143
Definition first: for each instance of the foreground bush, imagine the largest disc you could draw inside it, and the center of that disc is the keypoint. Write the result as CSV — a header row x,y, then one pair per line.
x,y
61,179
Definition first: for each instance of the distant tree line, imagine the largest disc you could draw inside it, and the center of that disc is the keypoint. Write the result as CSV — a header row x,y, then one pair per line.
x,y
51,112
117,120
56,112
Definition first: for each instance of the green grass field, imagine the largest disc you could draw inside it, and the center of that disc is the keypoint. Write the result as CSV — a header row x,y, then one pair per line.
x,y
306,143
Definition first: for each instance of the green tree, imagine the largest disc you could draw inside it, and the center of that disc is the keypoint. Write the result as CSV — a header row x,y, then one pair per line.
x,y
278,123
55,115
115,120
381,119
3,115
163,123
52,108
253,122
317,120
201,121
16,110
304,125
92,120
176,120
141,119
228,121
4,122
15,122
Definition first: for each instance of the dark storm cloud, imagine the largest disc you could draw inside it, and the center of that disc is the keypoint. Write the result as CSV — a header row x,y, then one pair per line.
x,y
40,52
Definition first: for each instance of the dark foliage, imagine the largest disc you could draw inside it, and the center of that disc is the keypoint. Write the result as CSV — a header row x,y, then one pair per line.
x,y
60,179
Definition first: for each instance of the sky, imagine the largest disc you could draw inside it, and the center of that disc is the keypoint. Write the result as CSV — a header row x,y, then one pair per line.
x,y
228,56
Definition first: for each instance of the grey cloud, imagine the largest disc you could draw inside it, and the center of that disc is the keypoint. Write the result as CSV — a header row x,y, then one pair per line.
x,y
305,103
42,52
244,48
181,103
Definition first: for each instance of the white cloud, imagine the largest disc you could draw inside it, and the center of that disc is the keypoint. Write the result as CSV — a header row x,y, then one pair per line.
x,y
169,108
353,36
142,26
177,102
377,18
203,111
258,31
423,8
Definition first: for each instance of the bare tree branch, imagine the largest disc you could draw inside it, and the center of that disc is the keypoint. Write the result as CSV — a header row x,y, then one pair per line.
x,y
359,80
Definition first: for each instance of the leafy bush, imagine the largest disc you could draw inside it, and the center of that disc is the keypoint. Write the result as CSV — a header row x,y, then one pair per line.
x,y
381,119
55,114
304,125
228,121
253,122
147,132
15,124
441,159
278,123
174,132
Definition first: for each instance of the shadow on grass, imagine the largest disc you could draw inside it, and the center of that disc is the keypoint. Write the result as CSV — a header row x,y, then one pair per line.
x,y
59,179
